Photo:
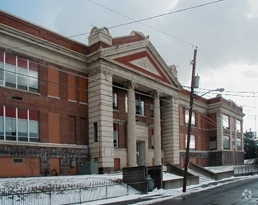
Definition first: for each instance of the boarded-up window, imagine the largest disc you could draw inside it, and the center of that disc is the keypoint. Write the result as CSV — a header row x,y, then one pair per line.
x,y
53,128
53,82
71,87
83,90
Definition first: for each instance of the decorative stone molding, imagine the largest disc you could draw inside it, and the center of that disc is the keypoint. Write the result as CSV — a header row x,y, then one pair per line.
x,y
99,34
156,93
131,85
145,64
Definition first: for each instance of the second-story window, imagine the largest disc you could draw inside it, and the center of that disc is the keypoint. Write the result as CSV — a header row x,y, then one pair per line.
x,y
152,110
226,121
126,103
238,126
187,117
140,107
115,104
18,73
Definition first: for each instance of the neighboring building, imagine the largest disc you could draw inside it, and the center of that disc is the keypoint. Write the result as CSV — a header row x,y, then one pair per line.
x,y
114,101
217,133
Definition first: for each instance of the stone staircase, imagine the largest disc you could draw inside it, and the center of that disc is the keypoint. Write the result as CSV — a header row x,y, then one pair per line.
x,y
202,178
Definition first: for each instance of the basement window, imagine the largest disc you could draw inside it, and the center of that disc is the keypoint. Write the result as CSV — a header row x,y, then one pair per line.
x,y
17,160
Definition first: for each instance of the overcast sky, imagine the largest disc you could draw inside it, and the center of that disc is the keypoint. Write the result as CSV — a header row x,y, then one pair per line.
x,y
225,32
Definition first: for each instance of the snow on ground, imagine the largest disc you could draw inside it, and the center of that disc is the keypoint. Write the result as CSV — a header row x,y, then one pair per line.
x,y
29,182
161,194
92,180
218,169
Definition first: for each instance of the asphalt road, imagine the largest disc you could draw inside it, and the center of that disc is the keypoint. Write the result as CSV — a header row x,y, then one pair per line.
x,y
227,194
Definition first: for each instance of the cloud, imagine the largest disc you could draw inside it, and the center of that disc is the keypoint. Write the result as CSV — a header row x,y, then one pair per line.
x,y
253,12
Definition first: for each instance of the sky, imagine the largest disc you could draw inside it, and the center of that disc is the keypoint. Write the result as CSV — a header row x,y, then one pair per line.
x,y
223,31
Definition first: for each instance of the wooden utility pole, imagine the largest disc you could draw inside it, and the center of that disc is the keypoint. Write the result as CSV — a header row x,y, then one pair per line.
x,y
189,121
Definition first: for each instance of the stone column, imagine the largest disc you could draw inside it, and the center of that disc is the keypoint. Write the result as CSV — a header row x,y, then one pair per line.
x,y
131,135
157,130
219,130
170,130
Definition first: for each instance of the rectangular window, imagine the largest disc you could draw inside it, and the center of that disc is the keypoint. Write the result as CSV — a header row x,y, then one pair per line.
x,y
71,87
187,117
192,142
238,126
1,68
83,90
53,81
152,110
213,143
126,103
33,126
10,124
226,142
17,160
18,125
22,125
18,73
225,121
239,144
22,74
95,131
140,107
115,134
33,77
115,104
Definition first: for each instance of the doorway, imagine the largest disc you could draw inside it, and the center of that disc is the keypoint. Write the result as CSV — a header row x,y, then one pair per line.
x,y
140,153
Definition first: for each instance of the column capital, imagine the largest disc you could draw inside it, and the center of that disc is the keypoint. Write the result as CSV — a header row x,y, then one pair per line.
x,y
156,93
131,84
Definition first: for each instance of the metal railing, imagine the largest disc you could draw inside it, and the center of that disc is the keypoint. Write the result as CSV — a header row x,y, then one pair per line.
x,y
63,194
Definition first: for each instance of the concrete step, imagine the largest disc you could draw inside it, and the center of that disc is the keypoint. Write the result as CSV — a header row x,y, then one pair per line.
x,y
202,178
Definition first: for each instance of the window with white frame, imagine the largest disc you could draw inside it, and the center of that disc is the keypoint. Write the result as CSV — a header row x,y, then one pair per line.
x,y
18,124
192,142
187,117
115,134
226,142
18,73
238,126
140,107
226,121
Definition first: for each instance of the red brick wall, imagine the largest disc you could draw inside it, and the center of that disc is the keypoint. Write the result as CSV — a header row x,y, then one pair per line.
x,y
10,169
60,107
53,128
39,32
55,165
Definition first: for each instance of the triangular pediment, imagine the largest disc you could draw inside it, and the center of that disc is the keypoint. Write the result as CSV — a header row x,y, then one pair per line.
x,y
142,62
145,64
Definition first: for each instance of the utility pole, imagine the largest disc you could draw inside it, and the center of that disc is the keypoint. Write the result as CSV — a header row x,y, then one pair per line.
x,y
189,121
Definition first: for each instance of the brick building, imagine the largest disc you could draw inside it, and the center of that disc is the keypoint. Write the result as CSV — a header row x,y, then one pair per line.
x,y
114,101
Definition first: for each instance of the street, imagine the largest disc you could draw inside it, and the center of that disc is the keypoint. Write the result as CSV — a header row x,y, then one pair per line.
x,y
227,194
